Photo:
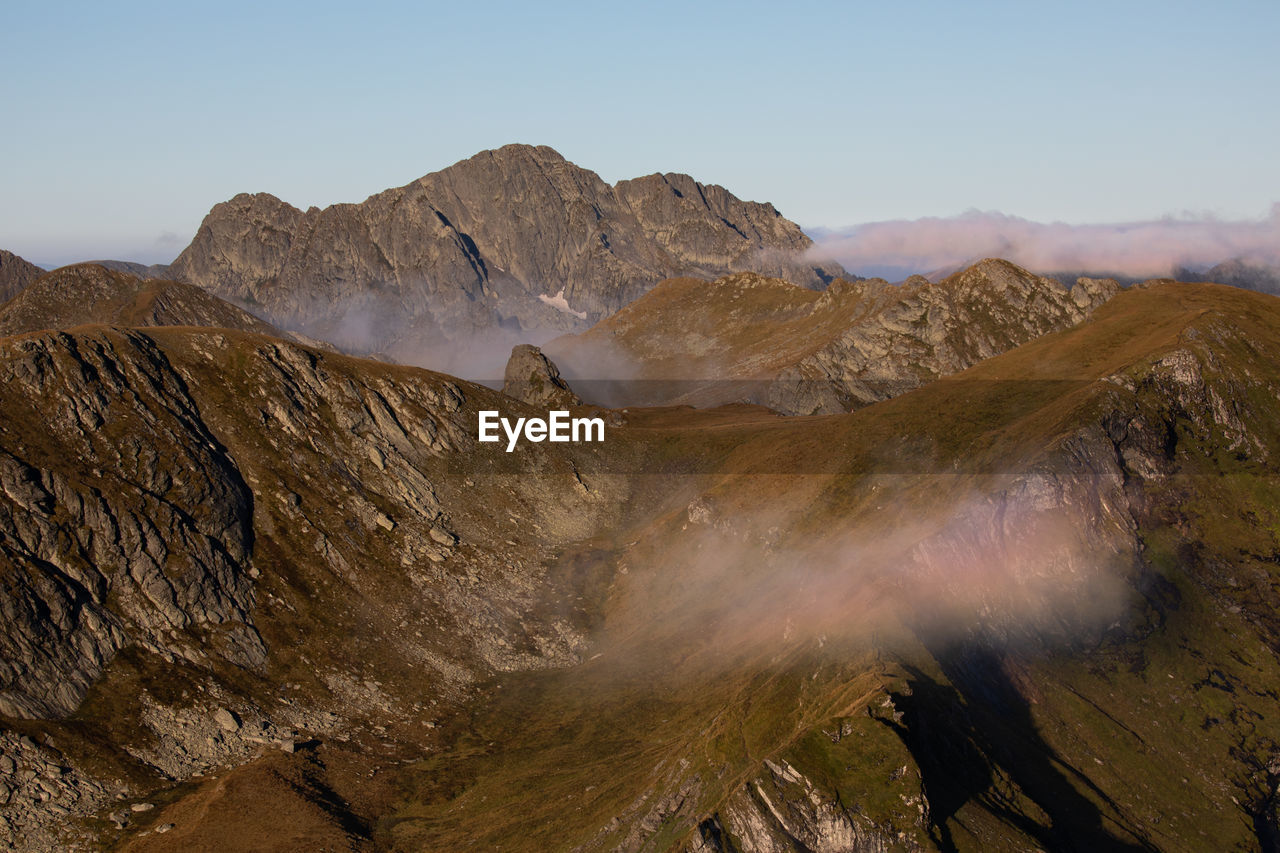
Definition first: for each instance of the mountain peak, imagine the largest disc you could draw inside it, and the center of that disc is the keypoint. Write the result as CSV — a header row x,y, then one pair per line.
x,y
479,248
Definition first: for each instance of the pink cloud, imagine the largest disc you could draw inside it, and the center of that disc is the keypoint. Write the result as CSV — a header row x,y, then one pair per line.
x,y
1139,249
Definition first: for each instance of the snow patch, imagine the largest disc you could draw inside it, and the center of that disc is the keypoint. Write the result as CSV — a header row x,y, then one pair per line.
x,y
561,304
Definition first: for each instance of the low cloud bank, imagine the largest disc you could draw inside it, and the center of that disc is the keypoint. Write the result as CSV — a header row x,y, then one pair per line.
x,y
1137,249
1015,560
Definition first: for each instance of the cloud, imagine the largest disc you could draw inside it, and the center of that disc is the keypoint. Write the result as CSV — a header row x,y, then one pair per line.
x,y
1008,558
1138,249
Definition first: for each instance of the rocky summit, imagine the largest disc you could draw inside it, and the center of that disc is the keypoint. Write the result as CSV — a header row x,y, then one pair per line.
x,y
513,239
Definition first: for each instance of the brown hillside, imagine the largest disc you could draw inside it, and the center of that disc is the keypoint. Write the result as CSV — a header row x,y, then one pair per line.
x,y
746,337
89,293
1029,605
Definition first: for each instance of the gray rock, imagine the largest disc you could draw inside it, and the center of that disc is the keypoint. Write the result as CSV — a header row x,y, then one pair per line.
x,y
920,331
533,378
515,238
226,720
72,541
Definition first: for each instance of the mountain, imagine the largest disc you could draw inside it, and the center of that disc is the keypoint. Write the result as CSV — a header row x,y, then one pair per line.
x,y
215,542
749,337
513,239
1238,273
260,595
91,293
160,271
15,274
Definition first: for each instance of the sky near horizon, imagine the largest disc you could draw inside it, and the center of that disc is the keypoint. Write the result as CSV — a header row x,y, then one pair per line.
x,y
127,121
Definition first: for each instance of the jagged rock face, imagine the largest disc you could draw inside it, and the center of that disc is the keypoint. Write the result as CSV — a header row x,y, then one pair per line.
x,y
15,274
781,807
122,520
534,379
125,520
690,219
749,338
227,512
927,331
517,237
90,293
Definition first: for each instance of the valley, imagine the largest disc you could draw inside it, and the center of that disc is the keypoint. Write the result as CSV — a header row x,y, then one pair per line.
x,y
285,597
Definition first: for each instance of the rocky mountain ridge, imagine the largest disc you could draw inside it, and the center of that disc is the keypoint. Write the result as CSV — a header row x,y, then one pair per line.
x,y
750,338
1238,273
91,293
167,540
143,271
517,238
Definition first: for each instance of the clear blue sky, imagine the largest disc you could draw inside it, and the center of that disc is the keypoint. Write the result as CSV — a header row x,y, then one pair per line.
x,y
126,121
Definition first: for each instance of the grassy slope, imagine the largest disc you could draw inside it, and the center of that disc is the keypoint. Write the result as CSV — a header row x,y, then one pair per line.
x,y
742,326
1142,738
89,293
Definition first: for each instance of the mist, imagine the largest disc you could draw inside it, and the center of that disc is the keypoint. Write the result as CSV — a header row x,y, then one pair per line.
x,y
1001,562
1148,249
380,323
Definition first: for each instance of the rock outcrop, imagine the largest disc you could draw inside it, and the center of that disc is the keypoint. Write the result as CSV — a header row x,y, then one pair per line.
x,y
749,338
923,331
15,274
533,378
122,520
515,238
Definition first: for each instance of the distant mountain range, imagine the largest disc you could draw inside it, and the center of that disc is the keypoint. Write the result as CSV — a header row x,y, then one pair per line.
x,y
513,245
1237,273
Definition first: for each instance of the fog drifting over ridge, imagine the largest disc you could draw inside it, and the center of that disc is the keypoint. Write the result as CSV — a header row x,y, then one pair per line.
x,y
1142,249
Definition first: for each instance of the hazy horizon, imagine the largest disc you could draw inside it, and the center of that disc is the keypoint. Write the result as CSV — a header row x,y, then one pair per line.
x,y
894,249
128,125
